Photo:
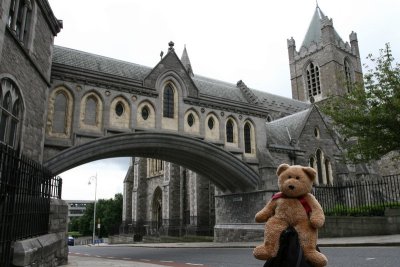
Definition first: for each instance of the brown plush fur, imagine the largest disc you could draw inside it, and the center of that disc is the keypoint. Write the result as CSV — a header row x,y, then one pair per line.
x,y
294,182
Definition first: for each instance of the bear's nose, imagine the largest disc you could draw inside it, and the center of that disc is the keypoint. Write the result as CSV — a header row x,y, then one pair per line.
x,y
291,187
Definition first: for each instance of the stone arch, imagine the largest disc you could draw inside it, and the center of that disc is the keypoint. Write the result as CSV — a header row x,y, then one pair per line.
x,y
120,118
174,78
146,115
91,112
249,138
231,132
60,113
212,126
224,169
194,128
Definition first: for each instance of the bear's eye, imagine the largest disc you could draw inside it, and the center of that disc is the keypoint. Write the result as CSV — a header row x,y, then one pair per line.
x,y
297,178
290,177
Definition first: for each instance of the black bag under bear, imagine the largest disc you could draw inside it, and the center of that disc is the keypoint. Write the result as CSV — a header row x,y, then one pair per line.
x,y
290,253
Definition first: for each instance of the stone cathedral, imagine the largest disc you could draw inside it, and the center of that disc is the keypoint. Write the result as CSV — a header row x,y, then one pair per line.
x,y
204,152
164,198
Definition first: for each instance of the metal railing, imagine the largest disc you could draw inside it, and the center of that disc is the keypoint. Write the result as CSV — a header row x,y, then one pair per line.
x,y
360,198
25,191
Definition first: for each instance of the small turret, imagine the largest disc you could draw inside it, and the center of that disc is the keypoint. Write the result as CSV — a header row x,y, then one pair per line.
x,y
186,62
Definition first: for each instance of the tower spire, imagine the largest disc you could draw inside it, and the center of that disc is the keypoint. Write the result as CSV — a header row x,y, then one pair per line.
x,y
186,61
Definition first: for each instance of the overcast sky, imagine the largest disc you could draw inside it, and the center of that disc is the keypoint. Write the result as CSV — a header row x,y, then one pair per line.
x,y
228,40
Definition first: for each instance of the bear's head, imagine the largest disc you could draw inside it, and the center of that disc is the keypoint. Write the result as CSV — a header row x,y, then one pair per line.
x,y
295,181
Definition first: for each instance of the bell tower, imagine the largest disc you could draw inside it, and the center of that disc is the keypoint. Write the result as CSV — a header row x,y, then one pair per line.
x,y
324,65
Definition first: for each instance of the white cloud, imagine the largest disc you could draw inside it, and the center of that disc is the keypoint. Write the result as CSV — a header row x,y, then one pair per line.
x,y
110,176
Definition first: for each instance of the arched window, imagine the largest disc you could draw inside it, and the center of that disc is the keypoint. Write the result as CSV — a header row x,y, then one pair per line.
x,y
91,111
60,112
247,138
229,131
168,101
157,208
348,71
10,109
19,18
190,120
119,109
145,113
313,83
328,171
319,166
210,123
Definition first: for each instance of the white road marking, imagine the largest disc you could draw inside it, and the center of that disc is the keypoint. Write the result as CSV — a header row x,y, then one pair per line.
x,y
166,261
195,264
369,259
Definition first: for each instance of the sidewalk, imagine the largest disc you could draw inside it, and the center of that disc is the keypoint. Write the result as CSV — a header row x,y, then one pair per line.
x,y
85,260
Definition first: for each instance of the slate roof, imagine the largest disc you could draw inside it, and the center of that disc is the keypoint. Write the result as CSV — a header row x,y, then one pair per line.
x,y
87,61
277,130
314,29
208,87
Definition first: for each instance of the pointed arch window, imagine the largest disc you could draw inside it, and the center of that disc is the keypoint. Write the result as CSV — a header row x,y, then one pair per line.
x,y
247,138
168,101
10,109
313,80
91,111
319,166
19,18
348,74
229,131
60,111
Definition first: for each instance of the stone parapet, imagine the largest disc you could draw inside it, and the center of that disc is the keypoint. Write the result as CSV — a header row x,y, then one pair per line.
x,y
46,250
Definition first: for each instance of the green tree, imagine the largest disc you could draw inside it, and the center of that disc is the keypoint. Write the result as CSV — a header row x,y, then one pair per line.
x,y
108,214
369,116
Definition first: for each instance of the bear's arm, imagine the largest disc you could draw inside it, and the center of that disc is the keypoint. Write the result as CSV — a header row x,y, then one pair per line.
x,y
317,216
267,212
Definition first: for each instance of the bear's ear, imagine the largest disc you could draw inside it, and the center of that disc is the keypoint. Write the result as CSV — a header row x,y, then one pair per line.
x,y
311,173
283,167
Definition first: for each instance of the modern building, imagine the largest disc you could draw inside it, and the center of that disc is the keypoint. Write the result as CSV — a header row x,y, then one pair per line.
x,y
76,208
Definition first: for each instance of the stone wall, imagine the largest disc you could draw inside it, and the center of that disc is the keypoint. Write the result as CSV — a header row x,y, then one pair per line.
x,y
362,226
47,250
335,226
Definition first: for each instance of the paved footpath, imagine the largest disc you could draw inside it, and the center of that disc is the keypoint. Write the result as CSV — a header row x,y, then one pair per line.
x,y
82,260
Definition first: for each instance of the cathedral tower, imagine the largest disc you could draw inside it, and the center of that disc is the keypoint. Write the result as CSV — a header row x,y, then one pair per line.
x,y
325,65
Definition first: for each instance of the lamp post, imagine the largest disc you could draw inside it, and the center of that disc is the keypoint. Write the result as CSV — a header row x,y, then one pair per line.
x,y
94,178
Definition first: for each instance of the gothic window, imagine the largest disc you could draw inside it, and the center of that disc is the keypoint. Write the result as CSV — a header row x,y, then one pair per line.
x,y
313,83
60,113
155,167
210,123
10,108
190,120
319,166
19,19
347,71
168,101
91,111
316,132
229,131
157,208
328,171
247,138
119,109
145,113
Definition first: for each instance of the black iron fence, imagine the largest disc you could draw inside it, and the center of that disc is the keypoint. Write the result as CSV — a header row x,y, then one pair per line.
x,y
25,191
360,198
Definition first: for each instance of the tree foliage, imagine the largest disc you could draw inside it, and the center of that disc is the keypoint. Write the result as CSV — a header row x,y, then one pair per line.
x,y
370,114
108,214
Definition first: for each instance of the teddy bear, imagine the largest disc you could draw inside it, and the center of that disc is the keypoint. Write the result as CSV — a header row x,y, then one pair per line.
x,y
293,206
